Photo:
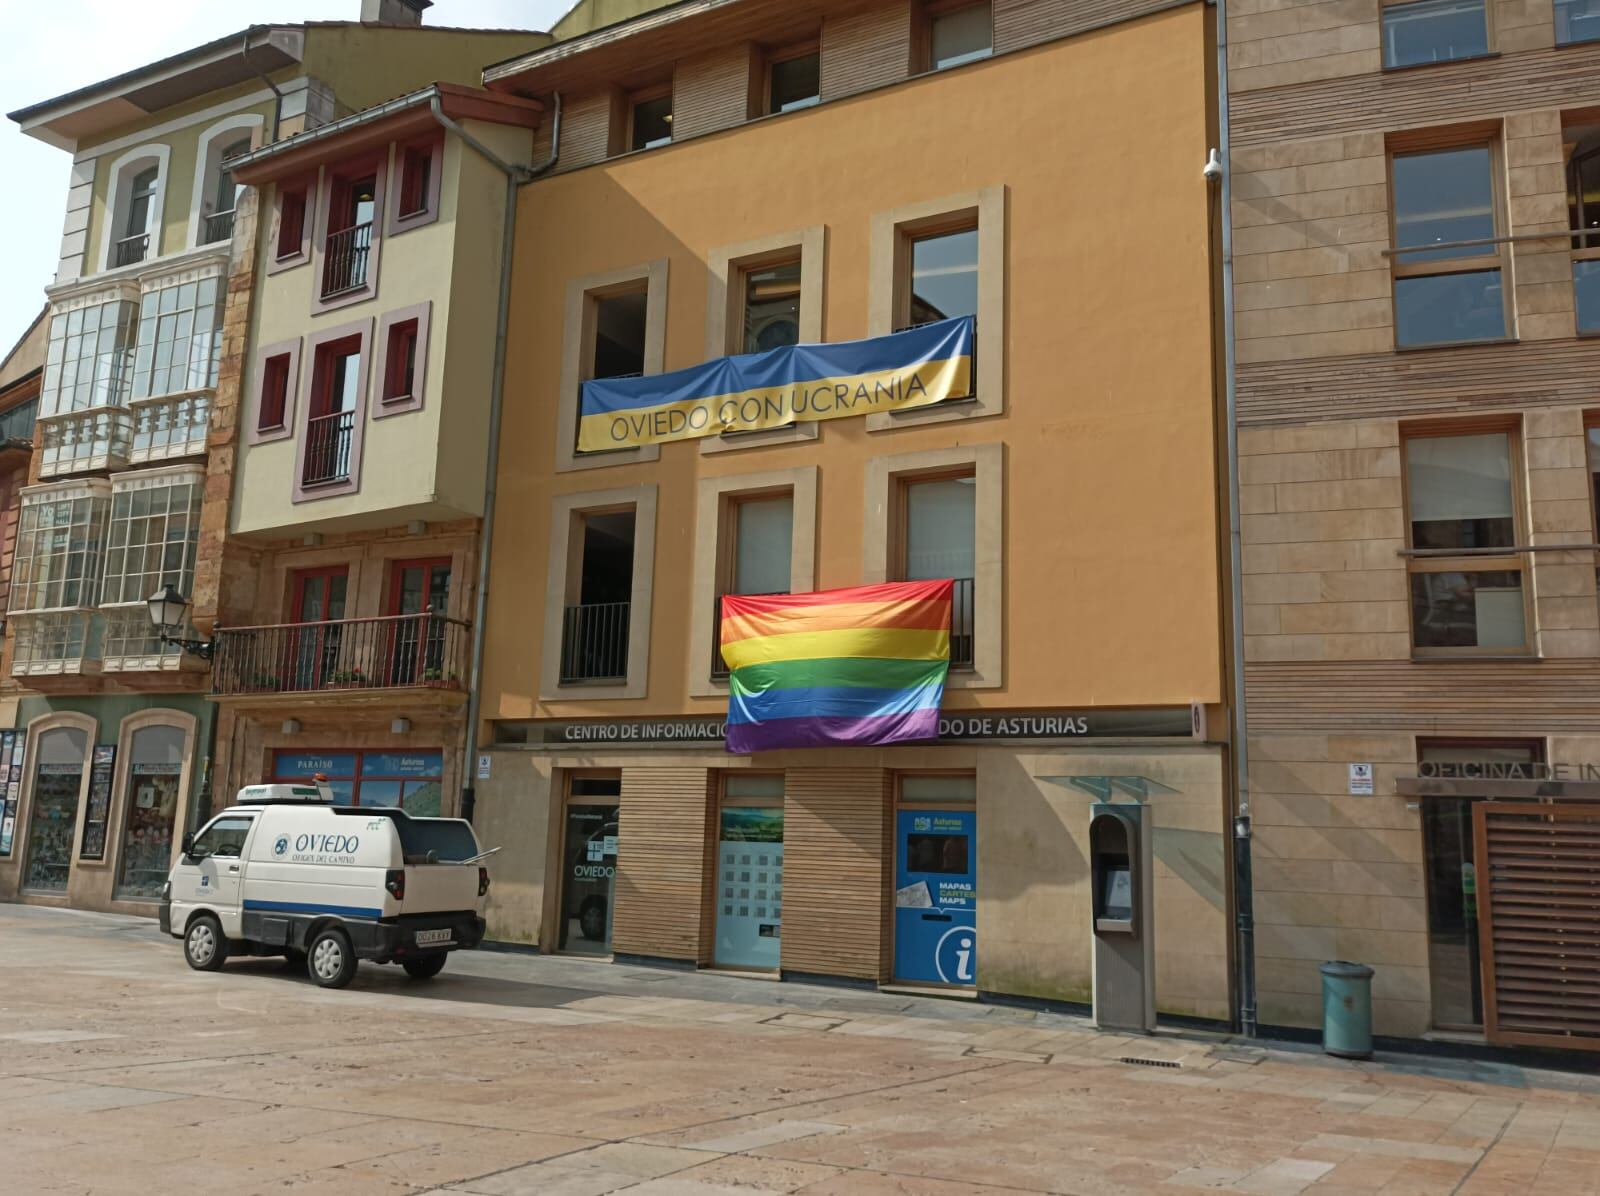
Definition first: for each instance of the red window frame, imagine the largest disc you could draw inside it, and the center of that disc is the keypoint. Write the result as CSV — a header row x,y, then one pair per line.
x,y
274,393
400,354
416,179
292,222
322,371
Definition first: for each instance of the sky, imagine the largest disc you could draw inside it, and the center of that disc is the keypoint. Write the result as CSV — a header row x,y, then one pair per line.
x,y
55,46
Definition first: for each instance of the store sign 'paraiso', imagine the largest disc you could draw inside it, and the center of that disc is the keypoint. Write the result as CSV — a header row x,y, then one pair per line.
x,y
793,384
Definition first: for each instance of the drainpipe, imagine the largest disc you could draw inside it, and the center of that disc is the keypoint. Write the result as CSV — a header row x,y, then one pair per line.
x,y
516,176
1243,885
277,96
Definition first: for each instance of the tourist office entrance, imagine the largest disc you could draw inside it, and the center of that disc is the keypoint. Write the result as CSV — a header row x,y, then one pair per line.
x,y
959,863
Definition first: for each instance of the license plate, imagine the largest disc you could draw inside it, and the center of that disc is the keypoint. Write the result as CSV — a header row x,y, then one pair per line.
x,y
432,938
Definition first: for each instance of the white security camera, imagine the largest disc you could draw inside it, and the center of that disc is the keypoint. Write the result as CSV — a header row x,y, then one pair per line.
x,y
1213,168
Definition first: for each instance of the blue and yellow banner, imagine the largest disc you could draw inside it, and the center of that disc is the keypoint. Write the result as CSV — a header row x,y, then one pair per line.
x,y
784,386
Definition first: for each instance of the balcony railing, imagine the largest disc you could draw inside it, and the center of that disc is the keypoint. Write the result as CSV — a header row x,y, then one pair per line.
x,y
344,260
132,249
328,448
594,642
392,652
218,227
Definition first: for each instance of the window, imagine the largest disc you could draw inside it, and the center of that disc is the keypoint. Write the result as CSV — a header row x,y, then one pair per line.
x,y
1592,435
614,327
1466,581
595,621
218,214
404,337
133,244
154,528
89,362
60,541
291,222
180,339
942,278
353,202
794,80
1577,21
416,179
758,554
225,837
617,333
52,644
958,33
1583,210
59,764
771,306
1447,292
939,540
274,393
156,756
16,423
650,120
400,362
335,395
414,781
1424,31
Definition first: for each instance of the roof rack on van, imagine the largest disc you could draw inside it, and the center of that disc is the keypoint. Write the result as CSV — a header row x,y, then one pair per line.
x,y
268,795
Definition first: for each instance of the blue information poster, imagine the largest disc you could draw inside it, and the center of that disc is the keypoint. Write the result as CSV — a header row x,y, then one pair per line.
x,y
936,897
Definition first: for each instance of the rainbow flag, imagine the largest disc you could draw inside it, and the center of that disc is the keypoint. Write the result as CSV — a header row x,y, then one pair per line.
x,y
851,668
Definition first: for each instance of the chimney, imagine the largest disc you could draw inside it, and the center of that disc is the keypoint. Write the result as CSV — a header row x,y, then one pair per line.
x,y
394,12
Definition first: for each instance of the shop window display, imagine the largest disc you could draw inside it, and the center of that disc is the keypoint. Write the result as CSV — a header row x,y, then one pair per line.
x,y
57,783
155,772
11,748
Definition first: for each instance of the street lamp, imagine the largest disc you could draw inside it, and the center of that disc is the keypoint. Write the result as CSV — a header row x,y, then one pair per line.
x,y
167,611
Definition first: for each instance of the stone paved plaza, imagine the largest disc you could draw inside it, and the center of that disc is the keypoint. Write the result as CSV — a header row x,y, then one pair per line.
x,y
123,1071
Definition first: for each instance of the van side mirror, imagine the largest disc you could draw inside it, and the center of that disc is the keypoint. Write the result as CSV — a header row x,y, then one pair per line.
x,y
188,842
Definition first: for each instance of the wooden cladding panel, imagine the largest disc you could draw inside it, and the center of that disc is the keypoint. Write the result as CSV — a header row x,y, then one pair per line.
x,y
836,872
586,134
1022,23
713,91
1449,92
10,510
865,49
661,838
1464,379
1539,922
1456,697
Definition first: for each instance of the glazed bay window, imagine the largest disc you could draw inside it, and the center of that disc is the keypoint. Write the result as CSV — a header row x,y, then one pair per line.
x,y
1422,31
1466,577
939,540
757,553
56,577
957,32
153,532
175,366
1448,262
1577,21
88,377
650,119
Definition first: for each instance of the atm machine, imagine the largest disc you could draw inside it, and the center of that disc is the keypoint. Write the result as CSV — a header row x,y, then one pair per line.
x,y
1123,886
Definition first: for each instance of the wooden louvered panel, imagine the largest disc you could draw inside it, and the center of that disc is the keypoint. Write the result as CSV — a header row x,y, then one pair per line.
x,y
661,852
1539,922
586,135
713,91
865,49
836,872
1020,23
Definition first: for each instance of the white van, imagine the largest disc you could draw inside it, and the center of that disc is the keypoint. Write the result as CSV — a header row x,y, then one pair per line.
x,y
286,872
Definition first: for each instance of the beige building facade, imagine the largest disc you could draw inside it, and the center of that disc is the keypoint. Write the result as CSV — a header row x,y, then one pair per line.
x,y
1416,466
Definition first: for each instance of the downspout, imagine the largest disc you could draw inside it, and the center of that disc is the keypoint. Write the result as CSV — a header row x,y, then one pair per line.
x,y
516,176
277,95
1243,884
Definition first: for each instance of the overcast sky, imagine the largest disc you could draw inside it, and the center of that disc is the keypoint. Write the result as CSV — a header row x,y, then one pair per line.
x,y
55,46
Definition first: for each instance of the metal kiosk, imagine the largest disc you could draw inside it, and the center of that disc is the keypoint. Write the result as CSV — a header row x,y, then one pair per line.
x,y
1121,877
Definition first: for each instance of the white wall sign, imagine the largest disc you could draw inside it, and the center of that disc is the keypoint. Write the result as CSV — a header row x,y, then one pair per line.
x,y
484,762
1361,779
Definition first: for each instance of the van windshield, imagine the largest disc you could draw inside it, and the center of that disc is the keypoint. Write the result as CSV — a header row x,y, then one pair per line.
x,y
448,839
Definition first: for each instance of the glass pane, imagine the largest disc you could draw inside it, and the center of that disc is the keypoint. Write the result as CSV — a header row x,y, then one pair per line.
x,y
1467,610
380,793
796,83
652,122
1434,31
771,307
915,788
1586,292
423,799
57,781
225,837
961,36
762,545
595,787
1445,308
1443,196
940,529
1459,489
944,276
619,335
749,890
1577,21
590,855
949,854
1453,976
738,784
155,769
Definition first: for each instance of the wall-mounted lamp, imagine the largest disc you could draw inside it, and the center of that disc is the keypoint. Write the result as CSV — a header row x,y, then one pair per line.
x,y
167,611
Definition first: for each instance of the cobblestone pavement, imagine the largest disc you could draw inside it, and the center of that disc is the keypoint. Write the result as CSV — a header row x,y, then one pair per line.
x,y
123,1071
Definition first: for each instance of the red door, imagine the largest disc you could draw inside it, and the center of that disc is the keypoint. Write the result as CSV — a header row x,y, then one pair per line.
x,y
419,600
317,606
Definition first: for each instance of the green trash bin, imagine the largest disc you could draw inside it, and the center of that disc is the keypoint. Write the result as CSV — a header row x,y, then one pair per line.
x,y
1347,1009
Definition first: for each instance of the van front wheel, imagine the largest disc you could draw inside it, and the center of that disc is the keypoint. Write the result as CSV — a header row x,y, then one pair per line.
x,y
332,961
204,945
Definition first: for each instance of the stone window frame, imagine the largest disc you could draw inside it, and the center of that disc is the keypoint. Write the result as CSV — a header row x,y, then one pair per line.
x,y
50,721
118,187
577,353
158,716
889,275
254,432
206,178
882,536
727,265
710,556
422,313
565,510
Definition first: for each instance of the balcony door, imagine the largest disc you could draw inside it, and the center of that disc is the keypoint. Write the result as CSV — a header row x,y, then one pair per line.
x,y
419,600
318,605
330,428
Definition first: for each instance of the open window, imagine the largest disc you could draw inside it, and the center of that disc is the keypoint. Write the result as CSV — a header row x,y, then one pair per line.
x,y
353,199
329,444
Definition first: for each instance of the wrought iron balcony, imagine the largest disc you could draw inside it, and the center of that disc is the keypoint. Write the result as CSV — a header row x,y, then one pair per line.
x,y
344,260
391,652
218,227
131,250
328,440
594,642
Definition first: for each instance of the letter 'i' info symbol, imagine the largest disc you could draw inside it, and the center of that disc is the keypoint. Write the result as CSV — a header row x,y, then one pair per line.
x,y
956,956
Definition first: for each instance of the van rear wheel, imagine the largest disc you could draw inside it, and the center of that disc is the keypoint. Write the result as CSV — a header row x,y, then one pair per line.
x,y
331,961
424,967
205,947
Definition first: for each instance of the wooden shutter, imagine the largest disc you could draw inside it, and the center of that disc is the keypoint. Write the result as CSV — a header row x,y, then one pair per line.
x,y
1539,918
661,853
